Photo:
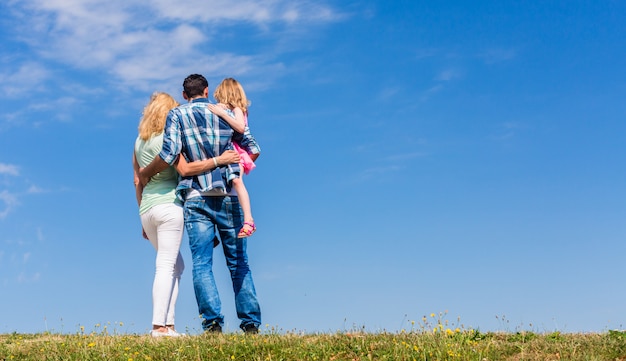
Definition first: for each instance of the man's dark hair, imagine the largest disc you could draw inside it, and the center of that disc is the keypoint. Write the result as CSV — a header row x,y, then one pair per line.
x,y
194,85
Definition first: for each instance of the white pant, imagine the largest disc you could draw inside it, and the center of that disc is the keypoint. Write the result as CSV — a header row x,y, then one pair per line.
x,y
164,225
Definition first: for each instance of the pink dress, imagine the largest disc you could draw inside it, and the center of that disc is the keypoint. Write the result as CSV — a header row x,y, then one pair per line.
x,y
246,163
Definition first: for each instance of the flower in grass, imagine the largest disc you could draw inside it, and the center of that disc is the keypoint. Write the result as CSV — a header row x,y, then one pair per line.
x,y
91,344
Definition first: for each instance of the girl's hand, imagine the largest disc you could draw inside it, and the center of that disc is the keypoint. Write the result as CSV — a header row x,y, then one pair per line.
x,y
219,110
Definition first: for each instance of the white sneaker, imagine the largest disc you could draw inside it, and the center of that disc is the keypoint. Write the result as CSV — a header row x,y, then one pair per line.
x,y
168,333
172,333
155,333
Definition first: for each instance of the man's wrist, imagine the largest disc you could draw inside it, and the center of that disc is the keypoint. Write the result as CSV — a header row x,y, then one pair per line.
x,y
215,162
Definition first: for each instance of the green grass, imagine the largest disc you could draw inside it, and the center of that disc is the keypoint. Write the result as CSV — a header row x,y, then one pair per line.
x,y
443,344
433,338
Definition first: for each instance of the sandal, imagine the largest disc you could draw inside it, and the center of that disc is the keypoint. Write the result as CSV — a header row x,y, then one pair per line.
x,y
247,230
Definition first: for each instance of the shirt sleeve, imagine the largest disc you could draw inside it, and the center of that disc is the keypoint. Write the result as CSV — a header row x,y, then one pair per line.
x,y
246,141
172,143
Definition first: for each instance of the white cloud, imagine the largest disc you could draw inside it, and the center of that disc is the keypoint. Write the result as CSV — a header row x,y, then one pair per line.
x,y
9,200
13,80
255,11
447,75
403,157
388,93
28,278
9,169
33,189
497,55
140,43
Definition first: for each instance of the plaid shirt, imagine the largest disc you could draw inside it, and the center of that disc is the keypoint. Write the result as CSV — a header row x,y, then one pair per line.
x,y
196,133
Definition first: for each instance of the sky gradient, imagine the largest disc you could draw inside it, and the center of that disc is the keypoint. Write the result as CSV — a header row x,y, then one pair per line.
x,y
417,157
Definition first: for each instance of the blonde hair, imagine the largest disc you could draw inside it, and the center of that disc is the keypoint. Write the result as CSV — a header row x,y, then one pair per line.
x,y
154,114
231,93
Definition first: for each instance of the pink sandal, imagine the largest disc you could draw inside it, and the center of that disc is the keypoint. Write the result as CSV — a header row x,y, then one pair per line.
x,y
247,230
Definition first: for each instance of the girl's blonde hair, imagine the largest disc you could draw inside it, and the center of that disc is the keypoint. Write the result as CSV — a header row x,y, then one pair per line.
x,y
231,93
154,114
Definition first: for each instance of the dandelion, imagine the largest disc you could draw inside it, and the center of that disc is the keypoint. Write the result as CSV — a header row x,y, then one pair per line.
x,y
91,344
432,315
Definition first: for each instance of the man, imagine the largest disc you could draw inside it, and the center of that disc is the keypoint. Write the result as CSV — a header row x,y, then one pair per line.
x,y
211,208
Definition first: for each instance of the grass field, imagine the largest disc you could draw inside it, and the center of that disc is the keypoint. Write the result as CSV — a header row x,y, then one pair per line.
x,y
437,343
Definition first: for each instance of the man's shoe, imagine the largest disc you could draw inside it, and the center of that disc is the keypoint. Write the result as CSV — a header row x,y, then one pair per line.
x,y
250,329
214,328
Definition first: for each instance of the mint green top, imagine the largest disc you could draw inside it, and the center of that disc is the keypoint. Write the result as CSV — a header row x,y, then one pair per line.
x,y
162,186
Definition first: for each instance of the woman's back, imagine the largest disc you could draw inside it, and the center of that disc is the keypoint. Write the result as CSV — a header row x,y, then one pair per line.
x,y
162,186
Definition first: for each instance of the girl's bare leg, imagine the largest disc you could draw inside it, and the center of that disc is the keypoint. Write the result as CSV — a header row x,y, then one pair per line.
x,y
244,201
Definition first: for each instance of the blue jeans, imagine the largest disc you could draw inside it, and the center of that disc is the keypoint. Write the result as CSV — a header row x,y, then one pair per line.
x,y
205,219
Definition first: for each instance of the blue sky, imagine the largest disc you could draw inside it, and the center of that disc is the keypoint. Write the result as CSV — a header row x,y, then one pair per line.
x,y
418,157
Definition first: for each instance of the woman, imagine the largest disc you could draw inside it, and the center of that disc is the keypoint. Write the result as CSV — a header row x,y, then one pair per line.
x,y
161,212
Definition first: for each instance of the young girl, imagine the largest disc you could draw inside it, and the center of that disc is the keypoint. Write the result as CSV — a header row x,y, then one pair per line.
x,y
230,95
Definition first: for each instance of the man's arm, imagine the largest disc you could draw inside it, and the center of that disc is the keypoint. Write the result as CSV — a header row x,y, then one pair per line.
x,y
186,169
157,165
